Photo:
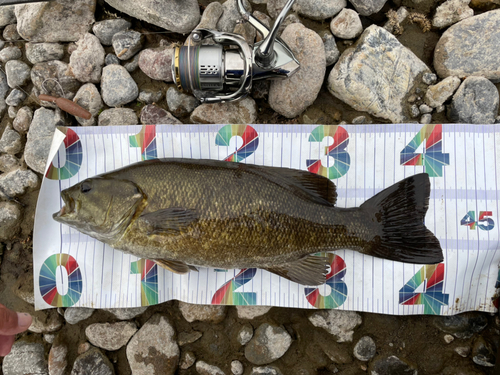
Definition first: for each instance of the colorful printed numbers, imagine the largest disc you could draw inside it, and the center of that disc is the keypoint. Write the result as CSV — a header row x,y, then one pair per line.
x,y
432,296
48,280
250,141
146,140
484,222
149,280
227,295
74,157
334,280
336,151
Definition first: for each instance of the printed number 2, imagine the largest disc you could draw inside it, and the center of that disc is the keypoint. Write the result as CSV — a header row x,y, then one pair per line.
x,y
250,141
227,295
484,222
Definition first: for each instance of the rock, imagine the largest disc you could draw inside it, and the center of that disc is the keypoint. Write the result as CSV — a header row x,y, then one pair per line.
x,y
462,351
448,338
429,78
9,163
424,108
450,12
12,111
211,16
337,322
332,53
75,315
88,97
187,360
130,312
392,365
127,43
4,87
118,116
231,15
55,78
117,86
156,63
110,336
111,59
58,359
46,322
10,33
153,349
83,347
15,98
10,142
291,97
202,313
267,370
181,104
23,120
426,118
105,30
319,10
337,353
177,16
240,112
252,312
18,73
10,218
152,114
17,182
482,353
346,25
475,102
365,349
92,362
414,111
87,61
204,368
41,52
458,53
188,337
25,358
132,65
269,343
150,96
24,288
237,367
376,74
245,334
10,53
55,21
437,94
49,337
462,326
7,15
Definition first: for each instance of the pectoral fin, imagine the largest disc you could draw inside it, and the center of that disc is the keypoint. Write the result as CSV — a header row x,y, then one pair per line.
x,y
175,266
310,270
169,220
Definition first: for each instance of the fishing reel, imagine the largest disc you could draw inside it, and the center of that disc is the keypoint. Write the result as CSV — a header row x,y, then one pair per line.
x,y
224,71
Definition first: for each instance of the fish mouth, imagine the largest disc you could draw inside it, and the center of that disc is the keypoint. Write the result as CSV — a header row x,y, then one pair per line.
x,y
67,209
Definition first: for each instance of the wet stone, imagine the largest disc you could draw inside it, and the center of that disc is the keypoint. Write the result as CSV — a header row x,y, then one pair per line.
x,y
117,86
150,96
188,337
152,114
9,163
41,52
266,370
187,360
237,367
25,358
10,33
439,93
130,312
74,315
269,343
118,116
319,10
245,334
105,30
450,12
392,365
231,15
88,97
10,142
482,353
127,43
111,59
10,53
156,63
15,98
18,73
202,313
87,61
10,217
338,323
181,104
92,362
204,368
16,183
346,25
110,336
365,349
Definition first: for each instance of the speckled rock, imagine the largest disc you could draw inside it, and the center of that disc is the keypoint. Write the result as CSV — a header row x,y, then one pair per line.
x,y
87,61
15,98
367,7
117,86
203,313
10,142
92,362
231,14
437,94
88,97
127,43
7,15
458,52
150,96
10,33
332,52
105,30
181,104
110,336
153,350
111,59
74,315
131,312
365,349
18,73
41,52
58,359
291,97
269,343
204,368
46,322
17,182
245,334
346,25
10,53
240,112
25,358
8,163
319,10
237,367
55,21
10,217
156,63
338,323
54,75
376,74
252,312
118,116
450,12
152,114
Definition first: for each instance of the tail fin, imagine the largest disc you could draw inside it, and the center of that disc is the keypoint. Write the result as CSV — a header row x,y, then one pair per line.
x,y
399,212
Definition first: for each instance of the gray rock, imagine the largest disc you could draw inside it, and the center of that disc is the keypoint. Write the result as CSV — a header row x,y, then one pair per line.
x,y
251,312
414,111
55,76
10,217
187,360
58,358
154,343
245,334
202,313
25,358
88,97
17,182
74,315
92,362
392,365
188,337
332,53
152,114
23,120
87,61
131,312
55,21
46,322
7,15
365,349
450,12
132,65
110,336
10,142
10,33
18,73
24,288
12,111
177,16
368,7
269,343
181,104
274,7
338,323
437,94
204,368
240,112
231,15
127,43
111,59
118,116
462,326
117,86
15,98
10,53
8,163
156,63
376,74
429,78
4,87
105,30
211,16
150,96
424,108
458,52
267,370
41,52
237,367
346,25
291,97
319,10
475,102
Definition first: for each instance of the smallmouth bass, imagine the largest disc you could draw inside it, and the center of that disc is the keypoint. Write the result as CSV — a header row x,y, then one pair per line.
x,y
184,213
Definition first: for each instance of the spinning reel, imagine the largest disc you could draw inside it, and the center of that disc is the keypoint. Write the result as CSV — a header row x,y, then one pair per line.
x,y
224,71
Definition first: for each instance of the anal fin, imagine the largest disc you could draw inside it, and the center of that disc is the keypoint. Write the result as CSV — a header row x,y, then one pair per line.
x,y
175,266
310,270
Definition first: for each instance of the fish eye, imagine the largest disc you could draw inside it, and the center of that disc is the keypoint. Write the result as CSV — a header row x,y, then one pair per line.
x,y
85,187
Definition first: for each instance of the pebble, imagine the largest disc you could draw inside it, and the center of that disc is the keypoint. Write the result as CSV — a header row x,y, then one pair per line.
x,y
10,53
475,102
424,108
24,288
154,344
458,53
448,338
204,368
450,12
7,15
105,30
87,60
117,86
74,315
245,334
127,43
332,53
110,336
55,78
414,111
319,10
41,52
462,351
462,326
337,353
178,16
392,365
10,33
231,15
482,353
17,182
9,163
267,370
211,16
46,322
49,337
10,217
346,25
180,104
156,63
10,142
118,116
429,78
188,337
12,111
243,111
187,360
58,359
130,312
365,349
376,74
252,312
111,59
25,358
57,21
426,118
152,114
202,313
88,97
269,343
337,322
18,73
368,7
83,347
292,96
150,96
439,93
132,65
237,367
92,362
361,120
15,98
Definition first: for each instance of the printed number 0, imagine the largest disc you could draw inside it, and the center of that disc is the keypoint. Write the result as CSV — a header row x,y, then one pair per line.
x,y
74,158
250,141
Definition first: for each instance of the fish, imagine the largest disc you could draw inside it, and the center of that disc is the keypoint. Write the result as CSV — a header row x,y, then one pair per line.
x,y
185,213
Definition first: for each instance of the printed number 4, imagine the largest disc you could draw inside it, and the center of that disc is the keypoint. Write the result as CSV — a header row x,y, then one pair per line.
x,y
484,222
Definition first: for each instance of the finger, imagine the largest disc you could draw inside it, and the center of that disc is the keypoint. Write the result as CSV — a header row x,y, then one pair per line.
x,y
12,323
6,344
